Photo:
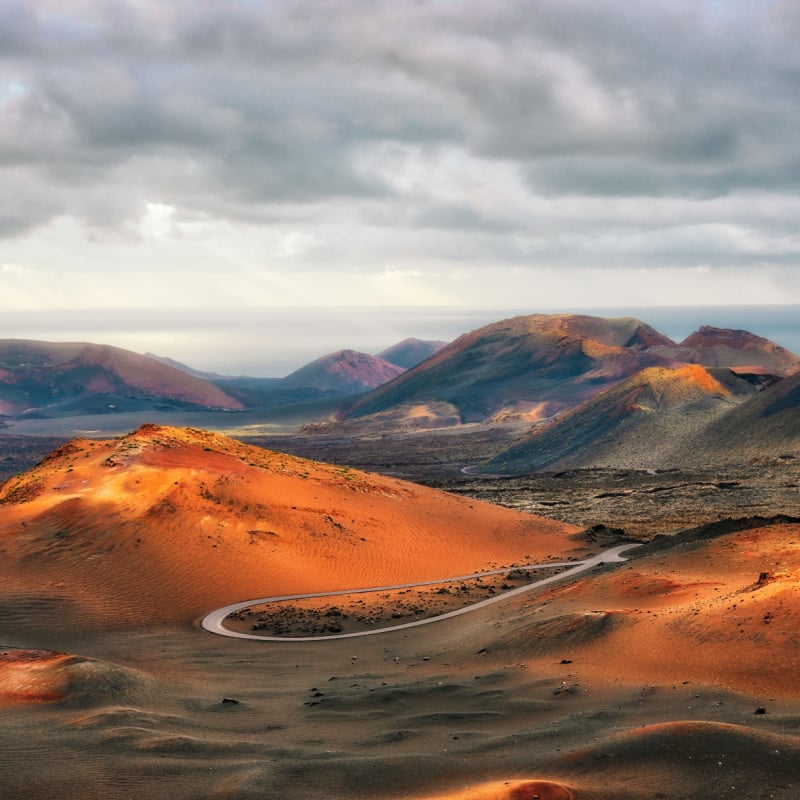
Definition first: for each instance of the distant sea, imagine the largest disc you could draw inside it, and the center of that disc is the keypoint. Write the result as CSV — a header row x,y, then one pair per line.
x,y
272,342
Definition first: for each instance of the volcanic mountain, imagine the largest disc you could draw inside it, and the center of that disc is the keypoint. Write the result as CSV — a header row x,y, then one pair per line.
x,y
739,350
63,377
410,352
345,371
531,367
766,425
638,423
167,523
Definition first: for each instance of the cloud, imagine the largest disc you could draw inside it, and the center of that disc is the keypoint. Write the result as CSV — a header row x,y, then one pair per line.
x,y
346,134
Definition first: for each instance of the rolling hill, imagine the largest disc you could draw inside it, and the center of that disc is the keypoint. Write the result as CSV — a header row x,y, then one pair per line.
x,y
71,377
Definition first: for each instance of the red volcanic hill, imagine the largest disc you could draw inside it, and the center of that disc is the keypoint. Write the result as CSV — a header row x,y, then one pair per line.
x,y
166,524
76,376
739,350
639,423
532,366
345,371
410,352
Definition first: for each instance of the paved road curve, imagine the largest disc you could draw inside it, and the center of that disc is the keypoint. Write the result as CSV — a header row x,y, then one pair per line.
x,y
213,622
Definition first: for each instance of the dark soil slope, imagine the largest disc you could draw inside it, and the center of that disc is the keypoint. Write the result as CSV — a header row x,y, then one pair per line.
x,y
637,424
766,426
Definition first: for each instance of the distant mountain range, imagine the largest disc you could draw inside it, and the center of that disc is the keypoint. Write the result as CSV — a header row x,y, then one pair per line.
x,y
596,391
63,379
601,392
533,367
345,372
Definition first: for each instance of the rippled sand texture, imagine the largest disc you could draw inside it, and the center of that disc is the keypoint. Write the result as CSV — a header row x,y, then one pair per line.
x,y
672,676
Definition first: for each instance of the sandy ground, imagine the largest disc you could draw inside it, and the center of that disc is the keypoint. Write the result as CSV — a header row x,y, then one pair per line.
x,y
672,676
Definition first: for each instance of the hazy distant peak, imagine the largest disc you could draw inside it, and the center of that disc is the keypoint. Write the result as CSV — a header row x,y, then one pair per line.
x,y
208,376
37,374
628,332
345,371
737,349
732,337
411,351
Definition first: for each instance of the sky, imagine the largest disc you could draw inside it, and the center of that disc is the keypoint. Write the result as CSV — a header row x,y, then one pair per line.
x,y
254,154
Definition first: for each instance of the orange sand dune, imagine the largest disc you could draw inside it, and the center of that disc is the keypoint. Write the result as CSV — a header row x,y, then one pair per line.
x,y
31,675
724,612
689,759
512,790
42,676
669,759
166,524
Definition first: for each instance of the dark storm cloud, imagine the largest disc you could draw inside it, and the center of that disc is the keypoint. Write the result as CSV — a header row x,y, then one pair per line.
x,y
701,88
231,108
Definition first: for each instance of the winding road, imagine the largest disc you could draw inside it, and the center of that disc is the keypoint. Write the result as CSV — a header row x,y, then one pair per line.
x,y
213,622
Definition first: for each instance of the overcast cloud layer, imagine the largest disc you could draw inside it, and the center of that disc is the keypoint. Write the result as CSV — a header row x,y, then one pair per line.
x,y
341,152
